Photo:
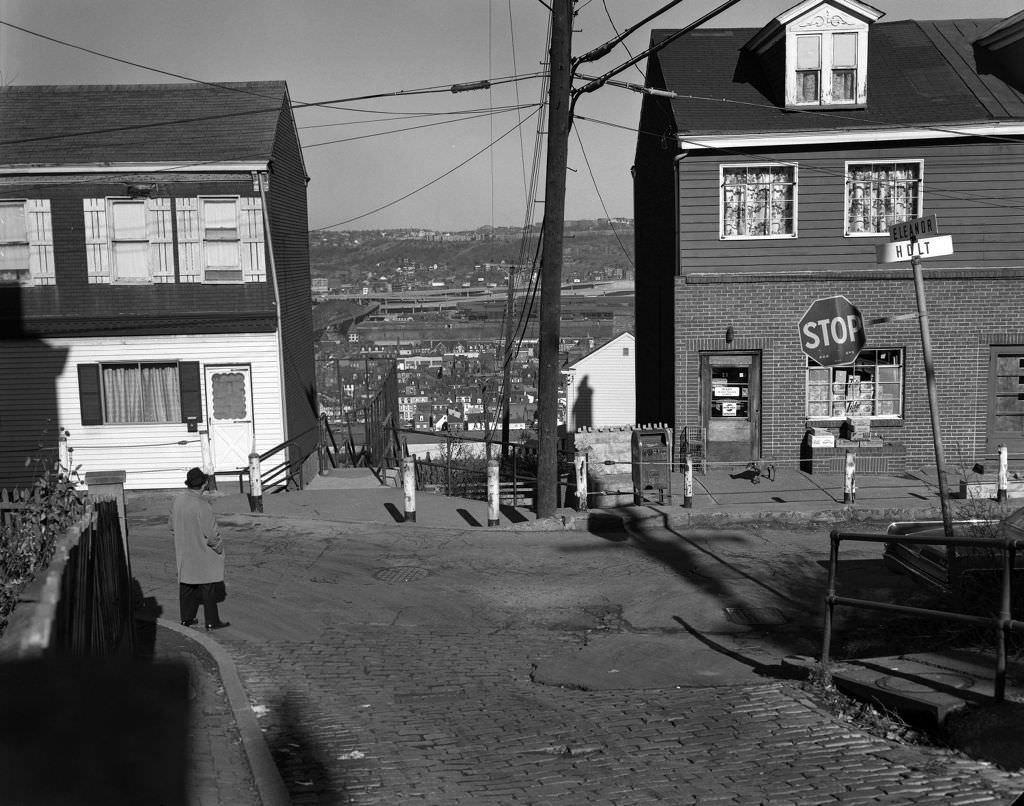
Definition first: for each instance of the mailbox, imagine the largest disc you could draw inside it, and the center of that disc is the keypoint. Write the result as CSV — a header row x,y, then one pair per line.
x,y
651,451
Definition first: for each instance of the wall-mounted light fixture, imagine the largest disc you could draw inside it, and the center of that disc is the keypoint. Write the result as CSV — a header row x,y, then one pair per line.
x,y
730,334
140,191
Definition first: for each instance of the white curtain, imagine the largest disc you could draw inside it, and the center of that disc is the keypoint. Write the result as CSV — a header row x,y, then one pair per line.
x,y
758,201
880,195
146,394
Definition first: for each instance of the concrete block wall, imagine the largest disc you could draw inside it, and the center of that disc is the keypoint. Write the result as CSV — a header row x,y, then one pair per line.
x,y
610,444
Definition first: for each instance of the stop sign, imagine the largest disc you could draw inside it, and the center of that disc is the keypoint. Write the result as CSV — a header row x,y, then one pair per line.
x,y
832,331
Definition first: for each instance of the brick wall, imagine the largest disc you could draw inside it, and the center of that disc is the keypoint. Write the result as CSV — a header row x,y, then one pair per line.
x,y
969,310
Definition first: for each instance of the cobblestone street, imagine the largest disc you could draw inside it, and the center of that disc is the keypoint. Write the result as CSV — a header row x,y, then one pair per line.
x,y
408,715
395,664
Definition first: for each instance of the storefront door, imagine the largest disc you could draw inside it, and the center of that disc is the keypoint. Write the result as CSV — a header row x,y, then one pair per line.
x,y
1006,399
730,389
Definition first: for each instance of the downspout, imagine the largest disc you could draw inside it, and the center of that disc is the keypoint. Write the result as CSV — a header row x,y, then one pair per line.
x,y
262,181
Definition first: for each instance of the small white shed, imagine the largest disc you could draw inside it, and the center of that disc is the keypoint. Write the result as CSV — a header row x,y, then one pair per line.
x,y
601,386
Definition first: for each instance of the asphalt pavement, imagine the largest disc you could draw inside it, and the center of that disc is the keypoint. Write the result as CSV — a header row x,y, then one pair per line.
x,y
606,656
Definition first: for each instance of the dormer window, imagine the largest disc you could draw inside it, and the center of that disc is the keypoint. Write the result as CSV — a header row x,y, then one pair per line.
x,y
817,53
826,69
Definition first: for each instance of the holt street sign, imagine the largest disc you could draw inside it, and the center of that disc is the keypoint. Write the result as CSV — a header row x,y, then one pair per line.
x,y
832,331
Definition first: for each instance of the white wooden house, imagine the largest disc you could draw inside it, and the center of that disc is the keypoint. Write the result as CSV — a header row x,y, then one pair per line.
x,y
601,386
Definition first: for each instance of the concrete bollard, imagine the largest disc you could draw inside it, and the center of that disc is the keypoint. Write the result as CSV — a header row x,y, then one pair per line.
x,y
850,487
1004,461
493,492
255,483
409,486
582,496
687,481
206,452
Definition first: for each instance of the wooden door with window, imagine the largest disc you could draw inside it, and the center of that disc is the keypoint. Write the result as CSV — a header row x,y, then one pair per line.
x,y
1006,399
730,389
229,415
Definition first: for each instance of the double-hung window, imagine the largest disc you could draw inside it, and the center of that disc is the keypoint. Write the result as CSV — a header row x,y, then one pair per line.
x,y
129,241
758,201
221,241
26,242
872,386
879,194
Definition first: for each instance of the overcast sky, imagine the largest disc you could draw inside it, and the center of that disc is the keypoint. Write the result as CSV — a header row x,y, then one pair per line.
x,y
340,49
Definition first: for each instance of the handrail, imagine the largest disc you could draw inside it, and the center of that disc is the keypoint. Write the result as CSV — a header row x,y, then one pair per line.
x,y
1004,622
267,479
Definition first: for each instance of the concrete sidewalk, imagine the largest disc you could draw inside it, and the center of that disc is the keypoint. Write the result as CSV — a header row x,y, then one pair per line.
x,y
787,495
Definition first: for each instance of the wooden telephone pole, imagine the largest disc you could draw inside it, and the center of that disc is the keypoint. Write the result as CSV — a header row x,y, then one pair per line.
x,y
559,92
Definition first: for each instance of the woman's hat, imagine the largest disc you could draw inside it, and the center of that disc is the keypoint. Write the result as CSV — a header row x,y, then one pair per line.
x,y
195,478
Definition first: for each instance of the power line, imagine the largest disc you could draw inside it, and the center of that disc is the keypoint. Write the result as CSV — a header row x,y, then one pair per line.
x,y
428,184
601,199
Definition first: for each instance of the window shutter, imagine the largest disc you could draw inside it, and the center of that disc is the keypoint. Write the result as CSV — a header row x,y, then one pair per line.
x,y
97,244
40,242
254,268
161,240
190,265
89,399
191,389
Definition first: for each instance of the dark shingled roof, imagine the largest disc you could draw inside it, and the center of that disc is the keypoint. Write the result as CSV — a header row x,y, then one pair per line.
x,y
920,73
59,125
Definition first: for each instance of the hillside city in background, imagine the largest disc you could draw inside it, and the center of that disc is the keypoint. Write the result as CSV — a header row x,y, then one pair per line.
x,y
435,303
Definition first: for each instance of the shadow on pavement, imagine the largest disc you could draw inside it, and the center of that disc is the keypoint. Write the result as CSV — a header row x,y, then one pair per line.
x,y
394,512
767,670
301,761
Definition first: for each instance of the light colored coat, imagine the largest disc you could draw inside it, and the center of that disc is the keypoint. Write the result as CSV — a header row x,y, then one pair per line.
x,y
197,543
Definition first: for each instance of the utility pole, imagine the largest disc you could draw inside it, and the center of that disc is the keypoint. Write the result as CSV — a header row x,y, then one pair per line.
x,y
559,91
506,374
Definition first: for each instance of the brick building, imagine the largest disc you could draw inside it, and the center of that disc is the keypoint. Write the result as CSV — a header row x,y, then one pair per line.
x,y
766,183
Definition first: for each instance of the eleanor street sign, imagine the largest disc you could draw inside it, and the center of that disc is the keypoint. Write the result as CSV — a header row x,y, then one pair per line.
x,y
924,227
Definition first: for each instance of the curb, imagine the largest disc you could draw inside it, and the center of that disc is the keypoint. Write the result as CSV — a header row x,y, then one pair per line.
x,y
265,774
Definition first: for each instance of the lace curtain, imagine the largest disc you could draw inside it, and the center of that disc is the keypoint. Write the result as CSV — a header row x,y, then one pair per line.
x,y
141,394
880,195
757,201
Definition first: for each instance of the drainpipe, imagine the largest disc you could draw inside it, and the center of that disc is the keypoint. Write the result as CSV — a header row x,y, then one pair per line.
x,y
262,181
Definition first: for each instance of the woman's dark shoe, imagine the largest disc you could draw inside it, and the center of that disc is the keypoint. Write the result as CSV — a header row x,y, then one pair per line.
x,y
190,622
218,625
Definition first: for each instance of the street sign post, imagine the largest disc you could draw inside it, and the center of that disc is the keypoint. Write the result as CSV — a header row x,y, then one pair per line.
x,y
832,331
908,244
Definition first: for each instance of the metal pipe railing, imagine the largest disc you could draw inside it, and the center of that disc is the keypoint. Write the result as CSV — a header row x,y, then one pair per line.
x,y
1003,622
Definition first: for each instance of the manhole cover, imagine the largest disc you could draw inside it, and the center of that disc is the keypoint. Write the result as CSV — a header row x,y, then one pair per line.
x,y
401,573
919,685
755,616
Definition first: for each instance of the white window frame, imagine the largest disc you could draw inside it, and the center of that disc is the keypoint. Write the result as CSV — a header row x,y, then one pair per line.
x,y
204,239
794,185
826,65
884,233
832,399
38,267
115,276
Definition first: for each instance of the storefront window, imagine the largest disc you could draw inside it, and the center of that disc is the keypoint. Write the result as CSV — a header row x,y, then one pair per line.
x,y
872,386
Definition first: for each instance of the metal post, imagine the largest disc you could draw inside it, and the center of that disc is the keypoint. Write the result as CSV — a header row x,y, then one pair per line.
x,y
493,492
687,480
933,400
1009,553
206,452
255,483
582,499
850,486
1003,474
830,599
409,487
448,465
